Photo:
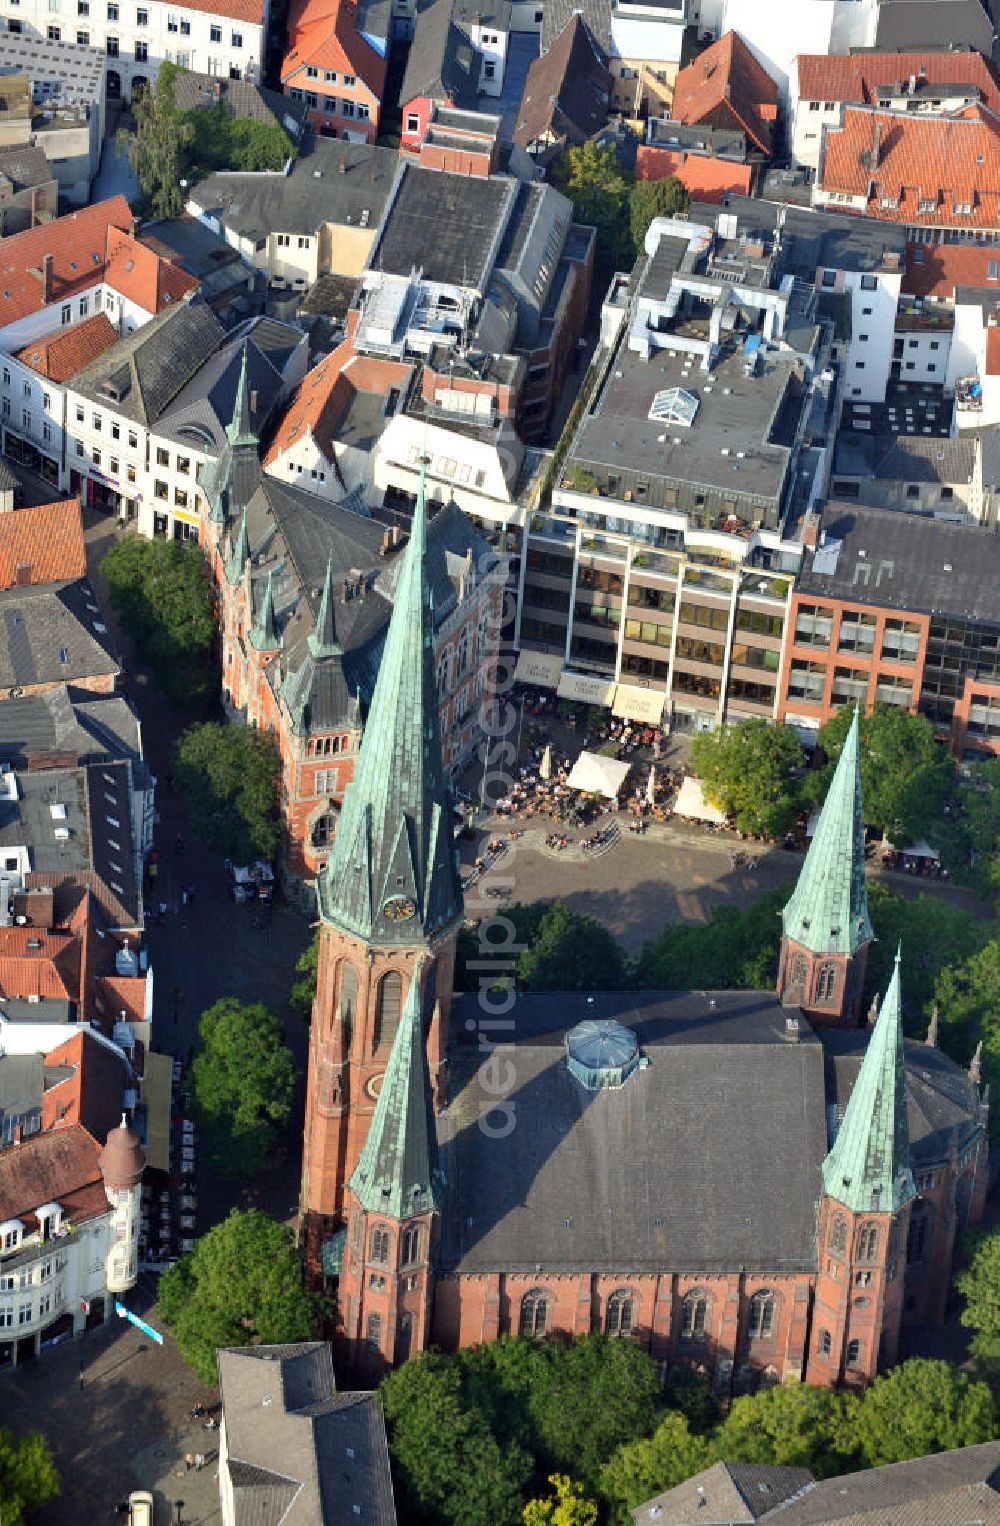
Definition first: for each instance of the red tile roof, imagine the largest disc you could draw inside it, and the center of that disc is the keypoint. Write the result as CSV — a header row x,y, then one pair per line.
x,y
251,11
705,177
916,163
61,354
727,87
856,76
993,350
934,270
77,244
323,397
141,276
92,1095
52,968
60,1166
42,544
326,35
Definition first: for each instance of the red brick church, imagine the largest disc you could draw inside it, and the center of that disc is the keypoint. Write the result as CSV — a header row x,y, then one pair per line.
x,y
747,1182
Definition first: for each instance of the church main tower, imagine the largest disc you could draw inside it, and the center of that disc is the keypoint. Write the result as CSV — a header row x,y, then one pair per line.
x,y
826,928
390,901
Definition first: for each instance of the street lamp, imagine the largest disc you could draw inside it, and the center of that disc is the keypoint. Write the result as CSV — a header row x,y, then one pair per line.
x,y
178,1506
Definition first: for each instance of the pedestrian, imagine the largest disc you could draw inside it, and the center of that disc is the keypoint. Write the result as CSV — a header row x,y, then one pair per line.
x,y
199,1461
188,1461
190,895
163,911
184,897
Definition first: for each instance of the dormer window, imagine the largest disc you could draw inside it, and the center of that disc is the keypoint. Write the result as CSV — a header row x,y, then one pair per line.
x,y
49,1218
11,1232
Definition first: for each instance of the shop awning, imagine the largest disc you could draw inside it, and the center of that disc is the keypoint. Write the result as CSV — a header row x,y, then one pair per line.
x,y
691,803
539,668
915,850
586,688
633,703
593,774
156,1088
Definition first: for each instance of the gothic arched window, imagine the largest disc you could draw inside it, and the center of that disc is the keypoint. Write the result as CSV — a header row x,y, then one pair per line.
x,y
380,1244
348,1001
867,1242
410,1245
694,1314
388,1005
838,1236
620,1319
826,982
534,1318
761,1322
825,1343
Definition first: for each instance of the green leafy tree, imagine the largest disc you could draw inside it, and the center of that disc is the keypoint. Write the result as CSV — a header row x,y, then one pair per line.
x,y
906,774
243,1077
447,1464
162,592
303,991
921,1407
593,180
970,838
28,1476
229,774
642,1468
241,1285
221,141
736,949
157,149
791,1425
566,1506
935,935
654,198
979,1284
570,950
751,770
967,999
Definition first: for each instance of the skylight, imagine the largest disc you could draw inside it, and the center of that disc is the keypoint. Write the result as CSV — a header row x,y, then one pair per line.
x,y
674,406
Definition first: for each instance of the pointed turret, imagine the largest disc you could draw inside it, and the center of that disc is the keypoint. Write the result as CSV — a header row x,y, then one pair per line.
x,y
241,551
868,1168
828,910
264,631
391,877
323,637
240,430
397,1174
976,1066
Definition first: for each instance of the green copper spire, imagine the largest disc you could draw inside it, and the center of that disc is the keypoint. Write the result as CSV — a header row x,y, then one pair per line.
x,y
868,1168
397,1173
264,631
828,910
391,877
323,636
241,551
240,429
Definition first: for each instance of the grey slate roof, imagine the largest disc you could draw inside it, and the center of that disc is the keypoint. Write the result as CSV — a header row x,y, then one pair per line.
x,y
557,13
445,225
567,90
950,1489
298,1452
630,1178
913,25
315,191
241,97
727,1492
910,561
442,63
810,239
50,635
198,415
91,726
142,374
905,458
25,166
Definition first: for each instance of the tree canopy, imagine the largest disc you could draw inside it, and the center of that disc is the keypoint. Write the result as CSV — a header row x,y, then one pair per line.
x,y
979,1284
919,1407
28,1476
229,774
645,1467
555,948
303,990
567,1505
594,182
242,1284
736,949
654,198
162,592
171,147
243,1077
906,774
970,838
752,771
791,1425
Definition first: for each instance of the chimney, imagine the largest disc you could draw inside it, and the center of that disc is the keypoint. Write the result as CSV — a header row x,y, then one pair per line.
x,y
386,542
810,530
22,575
397,535
342,166
46,279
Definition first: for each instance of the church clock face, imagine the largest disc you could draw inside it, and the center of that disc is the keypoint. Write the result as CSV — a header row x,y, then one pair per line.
x,y
399,908
373,1086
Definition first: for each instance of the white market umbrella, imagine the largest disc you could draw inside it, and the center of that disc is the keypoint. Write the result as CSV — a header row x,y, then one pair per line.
x,y
651,788
545,767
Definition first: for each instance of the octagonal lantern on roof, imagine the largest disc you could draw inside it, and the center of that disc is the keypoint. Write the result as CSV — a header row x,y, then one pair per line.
x,y
601,1053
